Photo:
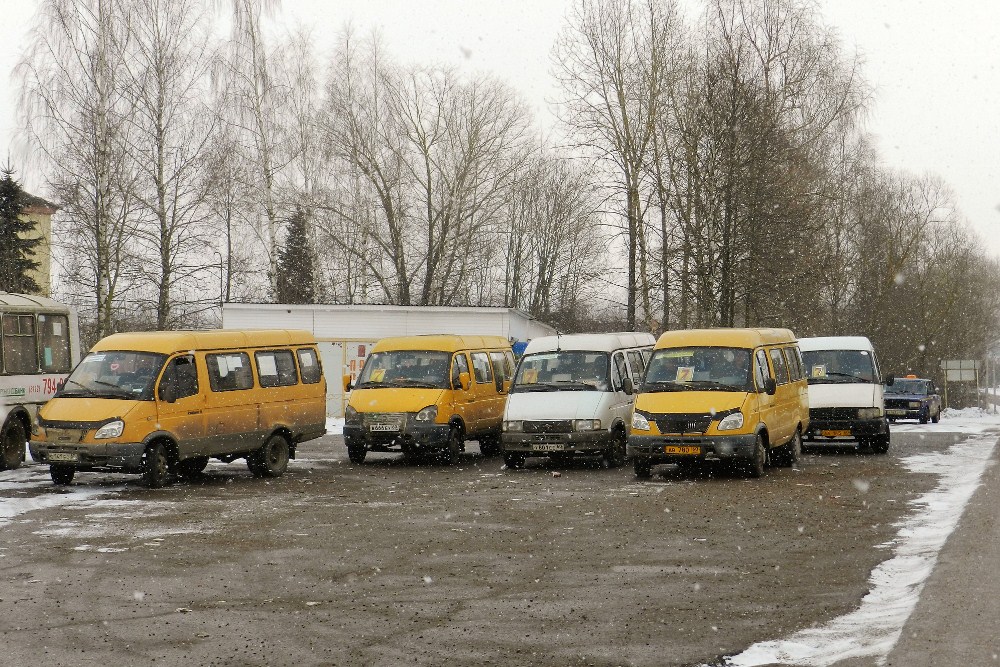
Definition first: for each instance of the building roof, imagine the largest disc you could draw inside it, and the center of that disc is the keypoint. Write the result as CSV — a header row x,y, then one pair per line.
x,y
38,206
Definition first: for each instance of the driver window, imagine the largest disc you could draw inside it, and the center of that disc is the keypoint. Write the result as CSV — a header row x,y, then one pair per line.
x,y
184,374
619,371
761,373
461,365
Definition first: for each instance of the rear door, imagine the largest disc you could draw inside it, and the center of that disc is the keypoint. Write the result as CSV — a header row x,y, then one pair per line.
x,y
484,397
231,413
784,399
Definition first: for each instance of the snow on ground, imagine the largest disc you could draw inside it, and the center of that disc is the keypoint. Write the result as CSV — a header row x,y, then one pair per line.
x,y
874,628
335,426
954,420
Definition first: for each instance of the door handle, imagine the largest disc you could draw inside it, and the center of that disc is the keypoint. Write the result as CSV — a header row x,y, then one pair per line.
x,y
194,412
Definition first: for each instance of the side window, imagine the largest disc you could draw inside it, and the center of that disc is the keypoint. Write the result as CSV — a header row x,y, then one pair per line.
x,y
510,364
499,369
619,370
309,366
460,365
761,372
481,367
229,372
53,343
797,354
19,350
276,368
183,372
638,365
780,369
790,363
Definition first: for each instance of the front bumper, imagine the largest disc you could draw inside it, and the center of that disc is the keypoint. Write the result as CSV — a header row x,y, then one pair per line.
x,y
122,456
835,431
923,412
652,448
410,438
543,444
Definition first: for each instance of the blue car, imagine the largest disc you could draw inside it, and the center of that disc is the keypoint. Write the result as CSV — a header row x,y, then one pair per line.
x,y
911,397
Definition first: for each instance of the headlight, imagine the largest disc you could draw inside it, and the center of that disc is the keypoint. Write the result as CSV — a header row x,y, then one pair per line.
x,y
352,416
586,424
730,422
869,413
914,404
639,423
514,426
110,430
428,414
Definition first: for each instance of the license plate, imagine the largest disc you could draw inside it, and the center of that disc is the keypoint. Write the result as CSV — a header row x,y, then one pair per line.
x,y
672,449
547,448
833,433
384,427
64,457
895,412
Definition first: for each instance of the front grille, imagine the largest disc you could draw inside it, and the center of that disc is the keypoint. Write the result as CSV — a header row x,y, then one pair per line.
x,y
683,423
833,414
897,403
552,426
384,417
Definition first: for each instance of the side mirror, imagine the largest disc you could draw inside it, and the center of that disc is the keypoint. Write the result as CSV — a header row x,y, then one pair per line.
x,y
347,383
168,392
770,386
464,381
627,386
888,380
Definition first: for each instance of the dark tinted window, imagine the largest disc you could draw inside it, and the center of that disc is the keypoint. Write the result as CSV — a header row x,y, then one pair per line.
x,y
780,369
183,373
481,367
19,351
229,372
276,368
309,366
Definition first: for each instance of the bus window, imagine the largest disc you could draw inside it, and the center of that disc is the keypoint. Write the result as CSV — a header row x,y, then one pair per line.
x,y
19,352
53,343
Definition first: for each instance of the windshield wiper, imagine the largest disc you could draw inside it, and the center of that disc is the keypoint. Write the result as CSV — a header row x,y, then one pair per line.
x,y
712,385
852,378
403,382
664,386
536,386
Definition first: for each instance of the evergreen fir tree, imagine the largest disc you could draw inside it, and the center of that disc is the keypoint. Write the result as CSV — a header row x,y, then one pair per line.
x,y
15,250
295,264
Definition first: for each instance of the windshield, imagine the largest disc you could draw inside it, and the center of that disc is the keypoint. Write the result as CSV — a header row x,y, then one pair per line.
x,y
408,368
567,370
911,387
839,366
129,375
699,369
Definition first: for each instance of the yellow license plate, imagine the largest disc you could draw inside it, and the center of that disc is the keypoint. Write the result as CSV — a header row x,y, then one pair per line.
x,y
671,449
833,433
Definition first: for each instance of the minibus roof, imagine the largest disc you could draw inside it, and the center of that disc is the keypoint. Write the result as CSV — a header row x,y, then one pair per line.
x,y
747,338
594,342
168,342
835,343
441,343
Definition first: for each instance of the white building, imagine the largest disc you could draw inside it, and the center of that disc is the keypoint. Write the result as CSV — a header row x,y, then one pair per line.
x,y
346,332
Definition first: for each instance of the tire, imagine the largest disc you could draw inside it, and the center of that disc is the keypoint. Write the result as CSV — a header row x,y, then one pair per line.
x,y
937,416
155,466
514,460
271,460
789,453
356,453
12,441
449,454
754,467
643,468
615,455
62,475
192,467
925,416
489,445
880,444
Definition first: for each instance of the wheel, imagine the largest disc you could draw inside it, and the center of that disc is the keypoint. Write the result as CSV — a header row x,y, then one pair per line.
x,y
880,444
449,455
12,441
61,475
191,467
925,416
271,460
615,455
937,416
788,454
754,467
514,460
155,466
356,453
489,445
643,468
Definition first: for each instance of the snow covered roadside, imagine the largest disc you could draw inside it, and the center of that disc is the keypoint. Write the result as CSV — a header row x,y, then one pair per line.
x,y
964,420
873,629
335,426
31,478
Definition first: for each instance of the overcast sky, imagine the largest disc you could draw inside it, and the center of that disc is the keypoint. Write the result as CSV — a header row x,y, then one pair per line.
x,y
935,66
